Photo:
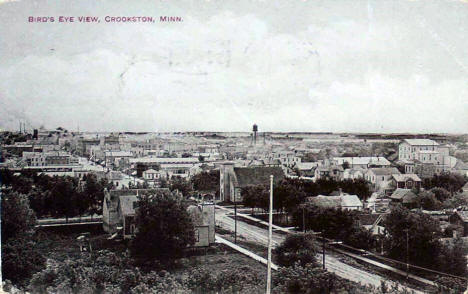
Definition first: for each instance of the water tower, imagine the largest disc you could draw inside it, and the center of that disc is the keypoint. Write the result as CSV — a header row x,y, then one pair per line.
x,y
255,130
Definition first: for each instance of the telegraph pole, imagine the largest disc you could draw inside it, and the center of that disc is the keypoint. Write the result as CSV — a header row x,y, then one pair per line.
x,y
303,219
407,255
235,219
270,222
323,252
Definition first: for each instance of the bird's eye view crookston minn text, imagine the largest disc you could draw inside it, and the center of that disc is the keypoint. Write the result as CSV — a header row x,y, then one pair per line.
x,y
234,146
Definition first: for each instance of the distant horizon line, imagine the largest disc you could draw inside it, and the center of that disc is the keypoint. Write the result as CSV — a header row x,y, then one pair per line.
x,y
260,132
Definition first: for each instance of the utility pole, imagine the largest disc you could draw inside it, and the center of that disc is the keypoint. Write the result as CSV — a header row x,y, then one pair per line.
x,y
270,231
235,219
407,255
323,252
303,219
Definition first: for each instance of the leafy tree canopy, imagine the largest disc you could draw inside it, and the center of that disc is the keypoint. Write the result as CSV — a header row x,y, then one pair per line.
x,y
297,248
164,228
17,217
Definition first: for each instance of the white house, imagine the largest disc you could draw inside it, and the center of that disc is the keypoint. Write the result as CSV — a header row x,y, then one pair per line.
x,y
380,178
409,148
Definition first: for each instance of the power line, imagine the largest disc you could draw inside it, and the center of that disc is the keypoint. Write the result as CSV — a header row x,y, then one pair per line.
x,y
400,262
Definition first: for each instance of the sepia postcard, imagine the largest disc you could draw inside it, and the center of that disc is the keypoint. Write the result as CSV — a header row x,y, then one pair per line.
x,y
234,146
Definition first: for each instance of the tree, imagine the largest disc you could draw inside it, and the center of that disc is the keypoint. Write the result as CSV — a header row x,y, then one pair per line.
x,y
298,248
428,201
201,158
206,181
17,216
359,187
360,238
453,258
420,231
449,181
65,196
256,196
345,165
20,259
440,193
333,223
93,195
180,184
460,199
164,228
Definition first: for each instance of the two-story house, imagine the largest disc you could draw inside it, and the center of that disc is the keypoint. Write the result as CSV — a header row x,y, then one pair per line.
x,y
233,179
380,178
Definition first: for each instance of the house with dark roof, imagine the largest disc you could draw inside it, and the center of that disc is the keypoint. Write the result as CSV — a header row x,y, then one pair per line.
x,y
120,208
406,181
334,172
405,197
233,179
307,169
372,222
460,219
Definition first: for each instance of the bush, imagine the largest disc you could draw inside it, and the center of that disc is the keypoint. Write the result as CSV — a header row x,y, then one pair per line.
x,y
313,280
297,248
105,271
360,238
307,279
20,260
233,280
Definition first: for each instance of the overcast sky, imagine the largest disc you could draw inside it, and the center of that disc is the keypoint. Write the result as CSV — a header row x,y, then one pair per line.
x,y
357,66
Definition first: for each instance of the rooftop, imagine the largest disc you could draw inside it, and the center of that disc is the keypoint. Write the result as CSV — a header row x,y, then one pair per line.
x,y
382,171
404,195
126,204
163,160
362,160
119,153
335,201
247,176
405,177
421,142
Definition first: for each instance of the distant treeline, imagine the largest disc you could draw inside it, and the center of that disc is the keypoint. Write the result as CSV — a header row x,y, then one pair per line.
x,y
402,136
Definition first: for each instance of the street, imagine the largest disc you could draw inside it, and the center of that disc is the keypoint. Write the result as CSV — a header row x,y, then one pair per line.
x,y
260,236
